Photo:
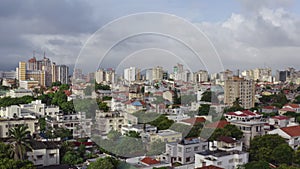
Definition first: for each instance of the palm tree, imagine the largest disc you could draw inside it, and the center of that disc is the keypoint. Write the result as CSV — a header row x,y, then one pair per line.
x,y
20,141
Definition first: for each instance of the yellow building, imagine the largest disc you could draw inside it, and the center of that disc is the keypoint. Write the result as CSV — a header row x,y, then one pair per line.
x,y
22,71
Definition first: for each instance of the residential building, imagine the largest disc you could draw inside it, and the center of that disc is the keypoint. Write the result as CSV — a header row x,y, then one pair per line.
x,y
291,134
113,120
250,129
43,154
6,124
29,84
157,73
280,121
61,74
239,88
226,154
166,136
184,151
242,115
201,76
19,93
139,128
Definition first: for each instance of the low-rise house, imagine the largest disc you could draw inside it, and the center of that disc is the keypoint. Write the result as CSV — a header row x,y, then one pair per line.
x,y
166,136
295,107
184,151
269,109
43,154
139,128
284,110
250,129
280,121
291,134
146,162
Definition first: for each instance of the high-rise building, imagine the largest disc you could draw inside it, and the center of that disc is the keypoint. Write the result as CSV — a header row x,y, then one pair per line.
x,y
62,73
130,74
22,71
107,76
77,74
201,76
157,73
236,87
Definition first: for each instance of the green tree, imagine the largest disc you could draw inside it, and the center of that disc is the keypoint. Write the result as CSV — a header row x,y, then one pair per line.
x,y
20,141
113,135
203,109
162,122
257,165
283,154
229,130
209,96
81,150
261,147
133,134
6,151
104,163
42,123
72,158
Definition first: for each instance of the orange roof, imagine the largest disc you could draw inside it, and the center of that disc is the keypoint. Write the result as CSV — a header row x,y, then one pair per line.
x,y
218,124
149,161
293,131
194,120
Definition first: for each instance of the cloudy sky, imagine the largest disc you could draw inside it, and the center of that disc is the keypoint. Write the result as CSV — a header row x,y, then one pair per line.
x,y
245,33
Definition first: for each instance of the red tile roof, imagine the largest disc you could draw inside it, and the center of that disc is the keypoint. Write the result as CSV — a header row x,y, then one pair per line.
x,y
287,109
226,139
270,107
149,161
242,113
294,106
293,131
281,117
194,120
218,124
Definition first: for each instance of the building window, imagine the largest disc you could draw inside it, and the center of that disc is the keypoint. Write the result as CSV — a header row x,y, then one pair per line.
x,y
179,149
179,158
51,155
219,163
188,159
39,157
189,149
196,148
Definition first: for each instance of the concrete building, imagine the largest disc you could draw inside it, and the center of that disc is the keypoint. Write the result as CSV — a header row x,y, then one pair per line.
x,y
200,76
250,129
43,154
131,74
19,93
28,84
291,134
184,151
107,121
61,74
6,124
157,73
227,154
236,87
166,136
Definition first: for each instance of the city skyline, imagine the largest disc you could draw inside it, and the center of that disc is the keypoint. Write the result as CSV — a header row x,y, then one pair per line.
x,y
246,34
